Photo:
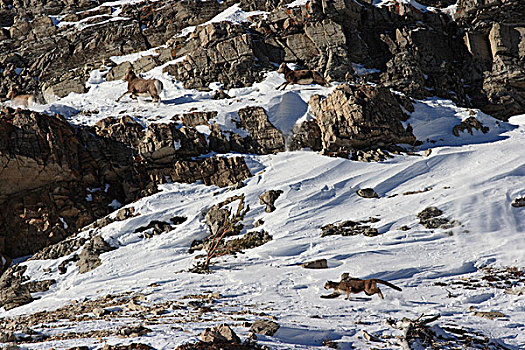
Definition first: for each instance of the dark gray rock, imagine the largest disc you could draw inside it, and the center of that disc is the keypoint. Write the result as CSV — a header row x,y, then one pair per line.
x,y
367,193
518,202
264,327
469,125
155,227
430,218
348,228
316,264
13,292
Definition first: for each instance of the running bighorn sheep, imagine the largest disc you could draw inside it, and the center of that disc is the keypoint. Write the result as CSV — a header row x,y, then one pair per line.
x,y
141,87
301,77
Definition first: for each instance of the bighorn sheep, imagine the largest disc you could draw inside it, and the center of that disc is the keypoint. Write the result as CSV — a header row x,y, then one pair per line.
x,y
141,87
301,77
20,100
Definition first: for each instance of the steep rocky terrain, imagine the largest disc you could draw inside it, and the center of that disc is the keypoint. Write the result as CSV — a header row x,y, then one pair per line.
x,y
106,208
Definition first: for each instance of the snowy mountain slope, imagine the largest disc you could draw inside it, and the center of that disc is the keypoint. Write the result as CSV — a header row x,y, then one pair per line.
x,y
472,178
472,183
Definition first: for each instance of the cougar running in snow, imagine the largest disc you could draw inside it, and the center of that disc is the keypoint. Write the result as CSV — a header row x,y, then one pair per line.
x,y
355,285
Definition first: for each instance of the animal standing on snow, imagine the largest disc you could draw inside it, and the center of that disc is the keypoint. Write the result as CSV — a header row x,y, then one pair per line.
x,y
356,285
141,87
20,100
301,77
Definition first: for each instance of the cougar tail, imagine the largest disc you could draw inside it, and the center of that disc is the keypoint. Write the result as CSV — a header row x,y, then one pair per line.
x,y
388,284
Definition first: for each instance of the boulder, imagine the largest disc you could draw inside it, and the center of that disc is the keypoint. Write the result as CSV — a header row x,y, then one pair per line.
x,y
63,87
218,334
216,52
367,193
316,264
264,327
359,117
431,218
268,198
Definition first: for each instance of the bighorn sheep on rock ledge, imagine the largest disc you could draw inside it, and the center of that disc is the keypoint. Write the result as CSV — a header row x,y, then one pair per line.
x,y
142,87
301,77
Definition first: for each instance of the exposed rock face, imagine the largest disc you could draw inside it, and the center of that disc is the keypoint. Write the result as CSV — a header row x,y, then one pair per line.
x,y
12,292
264,137
268,198
359,117
218,52
197,118
55,178
89,256
495,37
476,61
306,135
60,249
46,51
218,171
46,177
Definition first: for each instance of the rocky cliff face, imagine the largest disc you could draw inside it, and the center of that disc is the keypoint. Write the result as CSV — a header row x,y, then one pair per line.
x,y
476,60
56,178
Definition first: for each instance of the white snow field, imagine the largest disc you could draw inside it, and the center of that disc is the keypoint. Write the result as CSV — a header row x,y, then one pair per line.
x,y
472,178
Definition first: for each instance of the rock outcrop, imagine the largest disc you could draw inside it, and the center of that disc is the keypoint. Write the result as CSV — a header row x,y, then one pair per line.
x,y
475,59
494,34
518,202
264,327
359,117
216,52
469,125
56,178
89,256
431,218
349,228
